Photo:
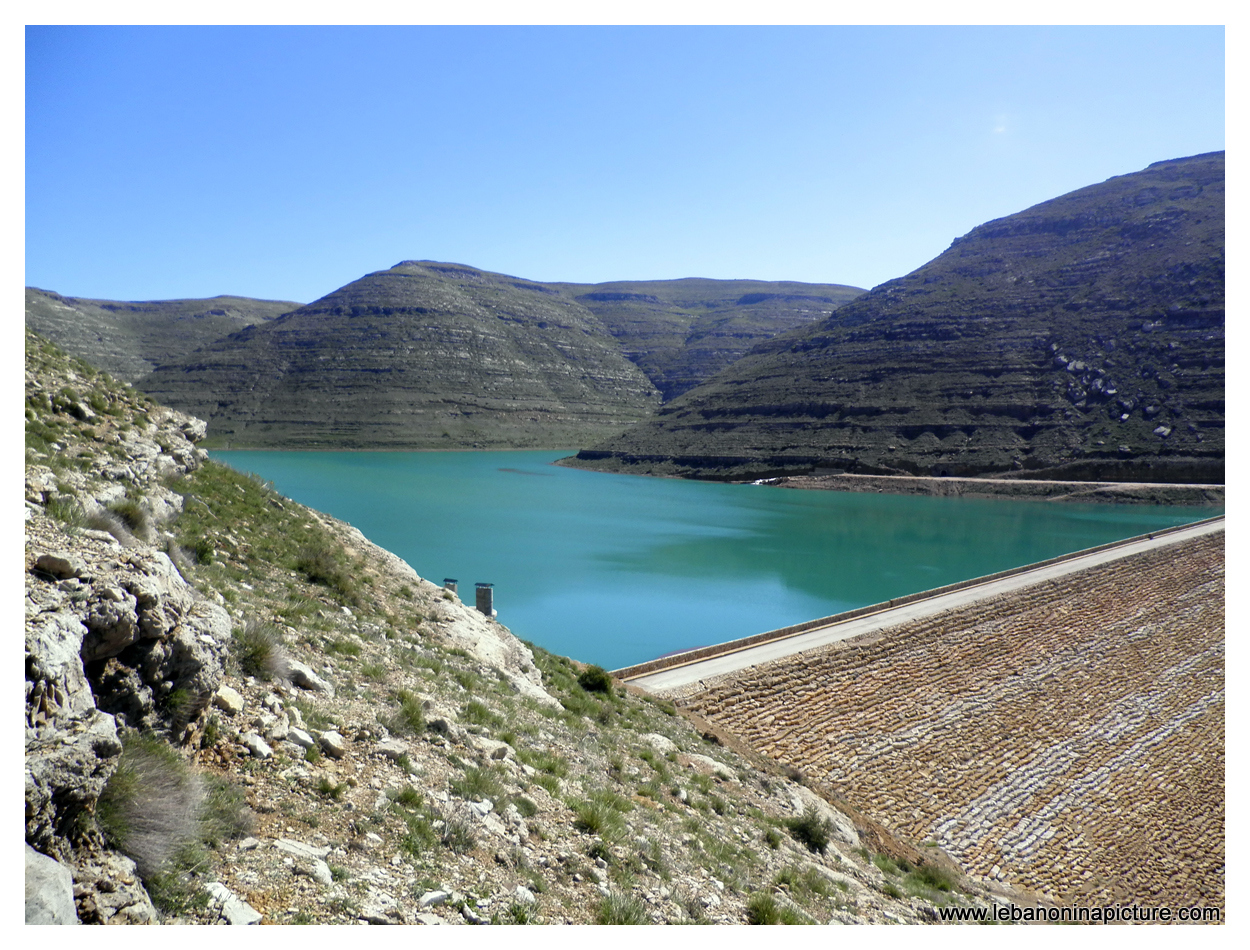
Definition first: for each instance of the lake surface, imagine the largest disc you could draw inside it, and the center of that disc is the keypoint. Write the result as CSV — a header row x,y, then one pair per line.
x,y
618,569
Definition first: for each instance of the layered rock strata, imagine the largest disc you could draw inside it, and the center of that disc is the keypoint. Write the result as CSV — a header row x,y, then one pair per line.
x,y
683,332
423,355
1081,339
130,338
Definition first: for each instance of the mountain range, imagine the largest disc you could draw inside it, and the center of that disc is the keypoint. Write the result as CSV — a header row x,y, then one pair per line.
x,y
1081,338
429,354
130,338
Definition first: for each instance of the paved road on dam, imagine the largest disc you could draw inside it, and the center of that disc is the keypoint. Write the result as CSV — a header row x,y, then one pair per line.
x,y
682,675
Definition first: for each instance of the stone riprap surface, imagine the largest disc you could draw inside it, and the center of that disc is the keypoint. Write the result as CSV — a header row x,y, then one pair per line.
x,y
1067,739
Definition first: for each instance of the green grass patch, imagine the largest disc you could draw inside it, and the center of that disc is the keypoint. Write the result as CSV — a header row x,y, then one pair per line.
x,y
409,718
547,762
258,649
478,714
621,909
477,784
764,909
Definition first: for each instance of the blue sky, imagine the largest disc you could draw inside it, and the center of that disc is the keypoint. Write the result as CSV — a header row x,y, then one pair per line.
x,y
285,162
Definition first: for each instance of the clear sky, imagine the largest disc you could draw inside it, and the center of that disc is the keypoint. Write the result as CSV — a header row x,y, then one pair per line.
x,y
285,162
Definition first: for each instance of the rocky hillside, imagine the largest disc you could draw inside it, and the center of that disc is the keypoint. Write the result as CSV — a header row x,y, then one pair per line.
x,y
130,338
430,355
239,710
423,355
683,332
1082,338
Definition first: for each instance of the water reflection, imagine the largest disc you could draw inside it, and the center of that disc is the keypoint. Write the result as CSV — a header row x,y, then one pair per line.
x,y
617,569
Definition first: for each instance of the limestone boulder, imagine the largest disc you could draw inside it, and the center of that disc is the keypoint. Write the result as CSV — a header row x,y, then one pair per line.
x,y
49,890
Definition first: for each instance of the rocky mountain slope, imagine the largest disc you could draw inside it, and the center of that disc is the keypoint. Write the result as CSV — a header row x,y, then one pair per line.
x,y
130,338
683,332
423,355
1081,338
238,710
430,355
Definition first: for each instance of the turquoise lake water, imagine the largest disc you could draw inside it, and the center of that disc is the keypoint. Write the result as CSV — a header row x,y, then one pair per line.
x,y
618,569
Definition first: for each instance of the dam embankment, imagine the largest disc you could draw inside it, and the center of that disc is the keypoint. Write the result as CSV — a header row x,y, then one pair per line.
x,y
1065,737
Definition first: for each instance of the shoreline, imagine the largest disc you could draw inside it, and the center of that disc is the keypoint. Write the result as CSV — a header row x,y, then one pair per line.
x,y
279,448
1124,493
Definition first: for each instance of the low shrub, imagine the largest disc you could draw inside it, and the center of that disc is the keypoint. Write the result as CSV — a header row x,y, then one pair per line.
x,y
409,718
517,913
547,762
611,799
548,782
225,815
932,877
596,818
477,713
258,649
329,789
476,784
803,883
150,808
135,516
765,909
595,679
621,909
67,511
419,835
408,797
810,830
457,836
885,864
375,672
323,564
762,909
103,520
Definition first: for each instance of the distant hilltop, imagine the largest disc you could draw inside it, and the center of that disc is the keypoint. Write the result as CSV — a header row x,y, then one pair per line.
x,y
430,354
1082,338
130,338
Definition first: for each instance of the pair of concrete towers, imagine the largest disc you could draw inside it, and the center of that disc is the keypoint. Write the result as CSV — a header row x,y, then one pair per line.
x,y
485,596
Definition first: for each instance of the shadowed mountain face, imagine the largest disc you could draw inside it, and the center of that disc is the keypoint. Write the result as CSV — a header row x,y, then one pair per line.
x,y
424,355
129,339
1081,338
682,332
